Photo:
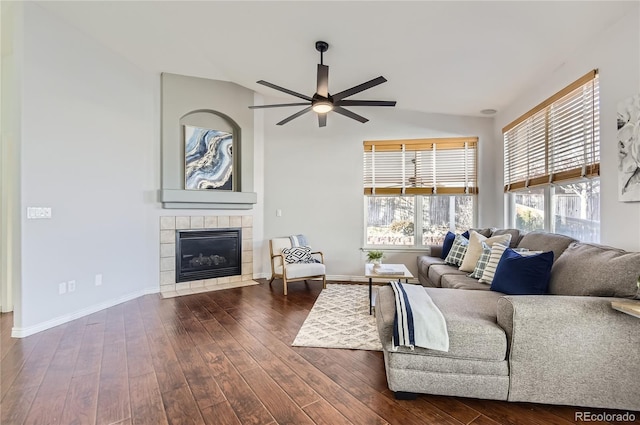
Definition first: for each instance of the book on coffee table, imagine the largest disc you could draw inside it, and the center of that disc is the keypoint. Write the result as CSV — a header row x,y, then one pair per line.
x,y
389,269
629,307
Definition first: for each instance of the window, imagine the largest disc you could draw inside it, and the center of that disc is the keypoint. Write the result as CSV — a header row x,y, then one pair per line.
x,y
529,209
576,210
417,190
552,163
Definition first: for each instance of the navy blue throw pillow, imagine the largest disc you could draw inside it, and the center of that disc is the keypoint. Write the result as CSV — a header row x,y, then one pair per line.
x,y
466,234
447,244
523,275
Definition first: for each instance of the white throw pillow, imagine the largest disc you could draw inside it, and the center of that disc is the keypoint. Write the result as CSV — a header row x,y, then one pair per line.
x,y
475,248
473,251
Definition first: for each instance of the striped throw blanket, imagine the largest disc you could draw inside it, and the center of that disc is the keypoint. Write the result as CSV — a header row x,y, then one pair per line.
x,y
417,322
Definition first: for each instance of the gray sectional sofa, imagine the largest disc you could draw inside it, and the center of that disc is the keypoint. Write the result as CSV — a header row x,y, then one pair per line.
x,y
569,347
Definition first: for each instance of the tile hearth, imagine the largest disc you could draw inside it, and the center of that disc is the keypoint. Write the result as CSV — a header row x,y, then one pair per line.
x,y
168,226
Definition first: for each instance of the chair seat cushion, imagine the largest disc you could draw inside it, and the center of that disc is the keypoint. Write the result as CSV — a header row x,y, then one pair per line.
x,y
296,270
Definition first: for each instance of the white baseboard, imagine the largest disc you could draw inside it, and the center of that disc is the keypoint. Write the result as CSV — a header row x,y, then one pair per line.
x,y
30,330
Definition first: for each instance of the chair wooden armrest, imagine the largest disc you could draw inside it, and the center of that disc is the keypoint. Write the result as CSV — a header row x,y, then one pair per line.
x,y
321,255
273,256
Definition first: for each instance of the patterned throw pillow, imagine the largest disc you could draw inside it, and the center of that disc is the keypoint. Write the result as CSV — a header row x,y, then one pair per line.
x,y
297,254
490,270
458,250
482,262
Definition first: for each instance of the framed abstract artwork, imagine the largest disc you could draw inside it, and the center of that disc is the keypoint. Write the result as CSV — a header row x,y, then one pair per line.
x,y
208,157
628,139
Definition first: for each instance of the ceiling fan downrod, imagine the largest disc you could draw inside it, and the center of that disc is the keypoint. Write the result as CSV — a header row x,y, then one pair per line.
x,y
322,46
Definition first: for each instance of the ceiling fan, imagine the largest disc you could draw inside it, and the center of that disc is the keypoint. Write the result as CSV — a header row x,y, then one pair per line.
x,y
322,102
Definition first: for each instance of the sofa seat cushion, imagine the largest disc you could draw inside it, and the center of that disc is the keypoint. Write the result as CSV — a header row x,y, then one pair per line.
x,y
457,281
447,365
543,241
436,271
596,270
471,323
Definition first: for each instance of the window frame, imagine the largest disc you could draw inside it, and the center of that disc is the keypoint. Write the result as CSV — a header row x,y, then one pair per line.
x,y
591,146
418,222
436,154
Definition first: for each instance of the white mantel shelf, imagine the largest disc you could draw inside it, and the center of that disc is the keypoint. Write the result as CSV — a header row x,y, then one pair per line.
x,y
198,199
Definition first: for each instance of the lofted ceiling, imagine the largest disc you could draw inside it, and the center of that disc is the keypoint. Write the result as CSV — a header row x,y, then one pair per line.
x,y
451,57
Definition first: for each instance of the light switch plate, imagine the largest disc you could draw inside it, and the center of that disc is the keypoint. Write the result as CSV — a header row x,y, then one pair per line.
x,y
35,213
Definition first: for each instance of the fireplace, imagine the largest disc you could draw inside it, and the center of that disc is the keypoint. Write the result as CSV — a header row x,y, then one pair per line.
x,y
208,253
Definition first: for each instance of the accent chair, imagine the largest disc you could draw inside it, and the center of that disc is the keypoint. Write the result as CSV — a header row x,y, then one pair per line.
x,y
295,263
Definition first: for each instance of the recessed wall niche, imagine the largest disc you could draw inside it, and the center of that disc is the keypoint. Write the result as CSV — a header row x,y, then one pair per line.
x,y
210,151
210,104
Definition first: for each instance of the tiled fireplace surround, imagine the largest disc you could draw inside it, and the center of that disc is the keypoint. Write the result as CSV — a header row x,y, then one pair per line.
x,y
168,226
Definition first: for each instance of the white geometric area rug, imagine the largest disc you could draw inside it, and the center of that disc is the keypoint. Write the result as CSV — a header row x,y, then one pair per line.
x,y
340,319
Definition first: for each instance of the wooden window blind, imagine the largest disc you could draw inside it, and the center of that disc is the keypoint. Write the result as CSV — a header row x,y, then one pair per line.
x,y
421,166
558,140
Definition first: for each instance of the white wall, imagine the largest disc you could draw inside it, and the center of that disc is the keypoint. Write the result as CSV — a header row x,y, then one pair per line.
x,y
616,53
314,175
90,150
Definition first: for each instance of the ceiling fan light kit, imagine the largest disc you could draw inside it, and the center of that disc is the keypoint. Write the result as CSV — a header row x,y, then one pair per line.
x,y
322,102
322,107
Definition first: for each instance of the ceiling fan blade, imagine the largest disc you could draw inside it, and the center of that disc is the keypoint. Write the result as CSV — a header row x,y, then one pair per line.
x,y
294,116
322,120
323,80
359,88
278,105
347,113
282,89
365,103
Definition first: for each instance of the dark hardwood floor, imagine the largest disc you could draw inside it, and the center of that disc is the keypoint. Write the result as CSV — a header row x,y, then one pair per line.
x,y
216,358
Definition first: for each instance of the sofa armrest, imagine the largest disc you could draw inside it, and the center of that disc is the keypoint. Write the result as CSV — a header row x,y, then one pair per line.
x,y
571,350
385,311
434,250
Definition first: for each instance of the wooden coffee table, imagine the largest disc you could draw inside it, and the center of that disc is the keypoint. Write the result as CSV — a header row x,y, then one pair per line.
x,y
386,271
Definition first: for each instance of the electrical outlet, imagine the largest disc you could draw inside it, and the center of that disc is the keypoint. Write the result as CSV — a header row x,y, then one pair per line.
x,y
71,285
62,288
98,280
